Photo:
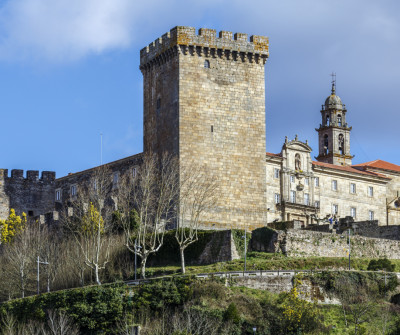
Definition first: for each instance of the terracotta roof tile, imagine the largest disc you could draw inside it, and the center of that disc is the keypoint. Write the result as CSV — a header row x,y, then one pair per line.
x,y
349,169
379,164
274,155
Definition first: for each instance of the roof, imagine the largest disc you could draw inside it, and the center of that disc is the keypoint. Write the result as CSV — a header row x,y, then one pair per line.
x,y
273,155
349,169
379,164
106,165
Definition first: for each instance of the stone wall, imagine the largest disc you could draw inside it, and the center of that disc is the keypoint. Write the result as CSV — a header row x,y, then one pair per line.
x,y
80,180
221,248
31,194
204,99
302,243
284,283
307,243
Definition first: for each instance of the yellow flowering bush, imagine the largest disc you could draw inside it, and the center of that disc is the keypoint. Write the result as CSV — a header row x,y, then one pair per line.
x,y
11,226
90,221
298,314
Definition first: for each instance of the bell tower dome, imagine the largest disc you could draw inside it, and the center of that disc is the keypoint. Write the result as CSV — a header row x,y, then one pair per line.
x,y
334,132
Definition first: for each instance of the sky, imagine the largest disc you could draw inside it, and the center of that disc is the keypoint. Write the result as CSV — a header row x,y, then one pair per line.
x,y
69,71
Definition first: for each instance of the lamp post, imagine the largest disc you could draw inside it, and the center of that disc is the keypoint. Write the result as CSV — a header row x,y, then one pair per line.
x,y
349,250
38,272
254,330
137,248
135,259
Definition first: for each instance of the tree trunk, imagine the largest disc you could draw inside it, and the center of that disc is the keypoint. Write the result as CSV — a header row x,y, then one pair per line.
x,y
22,284
183,260
48,283
143,267
96,271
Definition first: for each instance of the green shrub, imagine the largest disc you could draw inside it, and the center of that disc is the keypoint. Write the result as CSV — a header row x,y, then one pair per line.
x,y
238,239
381,264
232,314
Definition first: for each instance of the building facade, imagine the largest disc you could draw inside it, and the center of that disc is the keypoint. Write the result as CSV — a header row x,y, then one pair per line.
x,y
204,102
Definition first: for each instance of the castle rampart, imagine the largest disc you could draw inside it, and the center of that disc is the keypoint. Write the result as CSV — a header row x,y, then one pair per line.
x,y
30,194
206,43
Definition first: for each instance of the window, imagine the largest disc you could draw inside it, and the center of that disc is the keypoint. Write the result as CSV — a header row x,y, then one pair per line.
x,y
326,144
276,173
316,204
115,179
292,179
335,209
207,64
370,191
353,212
339,120
58,195
327,120
134,172
316,181
334,185
306,199
277,198
306,181
293,196
370,215
352,188
341,144
158,104
73,190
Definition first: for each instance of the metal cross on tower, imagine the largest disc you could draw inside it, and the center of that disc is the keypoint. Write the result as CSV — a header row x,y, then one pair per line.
x,y
333,75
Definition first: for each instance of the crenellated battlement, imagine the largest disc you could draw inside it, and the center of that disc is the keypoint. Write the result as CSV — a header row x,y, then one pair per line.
x,y
205,43
31,175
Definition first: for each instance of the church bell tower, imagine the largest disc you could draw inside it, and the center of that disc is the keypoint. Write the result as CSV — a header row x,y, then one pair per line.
x,y
334,132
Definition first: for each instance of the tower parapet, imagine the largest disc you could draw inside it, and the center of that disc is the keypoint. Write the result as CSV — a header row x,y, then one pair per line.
x,y
205,43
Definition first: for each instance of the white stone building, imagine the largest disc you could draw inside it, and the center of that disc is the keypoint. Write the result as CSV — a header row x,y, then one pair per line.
x,y
308,191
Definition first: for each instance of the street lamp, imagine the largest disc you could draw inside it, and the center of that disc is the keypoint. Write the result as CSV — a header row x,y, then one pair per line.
x,y
349,249
254,330
137,248
38,272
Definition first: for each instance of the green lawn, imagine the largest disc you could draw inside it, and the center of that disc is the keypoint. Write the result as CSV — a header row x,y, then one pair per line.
x,y
266,261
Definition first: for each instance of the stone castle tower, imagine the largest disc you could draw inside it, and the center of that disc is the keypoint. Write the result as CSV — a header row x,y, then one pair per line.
x,y
334,133
204,101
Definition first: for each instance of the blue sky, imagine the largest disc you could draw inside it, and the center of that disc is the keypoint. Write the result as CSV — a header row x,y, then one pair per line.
x,y
69,70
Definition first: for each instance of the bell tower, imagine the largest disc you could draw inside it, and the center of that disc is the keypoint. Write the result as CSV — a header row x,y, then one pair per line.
x,y
334,132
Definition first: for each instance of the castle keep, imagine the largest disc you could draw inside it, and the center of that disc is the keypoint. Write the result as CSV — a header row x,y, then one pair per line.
x,y
204,102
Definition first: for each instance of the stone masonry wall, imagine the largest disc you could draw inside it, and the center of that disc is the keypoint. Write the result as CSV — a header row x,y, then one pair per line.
x,y
4,198
204,100
30,194
303,243
307,243
82,179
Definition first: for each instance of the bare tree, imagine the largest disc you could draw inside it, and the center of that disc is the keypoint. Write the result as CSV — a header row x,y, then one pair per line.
x,y
59,323
358,299
197,194
90,222
51,251
150,195
21,255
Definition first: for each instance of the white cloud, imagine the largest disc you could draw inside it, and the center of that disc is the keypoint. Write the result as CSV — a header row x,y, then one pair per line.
x,y
60,30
